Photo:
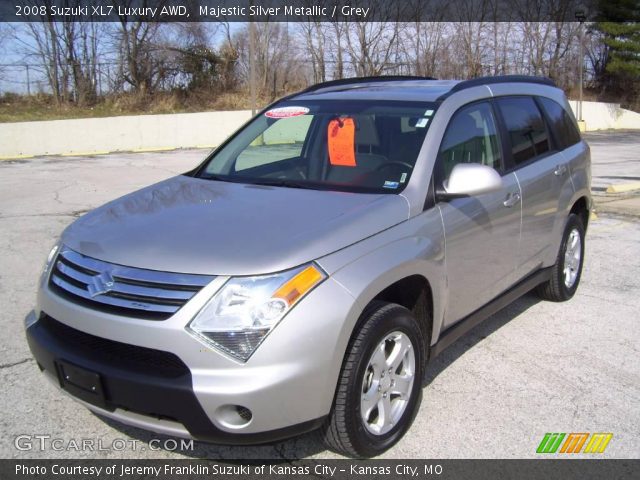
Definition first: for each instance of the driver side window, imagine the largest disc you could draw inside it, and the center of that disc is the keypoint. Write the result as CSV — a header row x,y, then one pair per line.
x,y
471,137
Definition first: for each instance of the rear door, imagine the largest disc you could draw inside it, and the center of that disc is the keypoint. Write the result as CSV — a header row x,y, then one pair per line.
x,y
481,232
533,156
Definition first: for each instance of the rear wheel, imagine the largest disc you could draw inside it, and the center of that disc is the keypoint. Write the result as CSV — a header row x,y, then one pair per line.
x,y
379,389
566,273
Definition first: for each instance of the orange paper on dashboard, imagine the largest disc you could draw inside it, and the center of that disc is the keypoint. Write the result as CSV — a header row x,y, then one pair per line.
x,y
341,134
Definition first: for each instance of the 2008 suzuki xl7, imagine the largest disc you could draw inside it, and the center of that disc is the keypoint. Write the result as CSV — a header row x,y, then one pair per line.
x,y
304,275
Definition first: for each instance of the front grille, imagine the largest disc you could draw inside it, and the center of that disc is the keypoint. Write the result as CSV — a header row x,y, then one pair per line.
x,y
115,354
122,290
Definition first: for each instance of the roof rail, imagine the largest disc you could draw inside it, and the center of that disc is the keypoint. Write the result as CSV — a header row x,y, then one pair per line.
x,y
475,82
356,80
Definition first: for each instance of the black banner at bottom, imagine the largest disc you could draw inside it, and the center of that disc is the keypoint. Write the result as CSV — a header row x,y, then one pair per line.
x,y
565,469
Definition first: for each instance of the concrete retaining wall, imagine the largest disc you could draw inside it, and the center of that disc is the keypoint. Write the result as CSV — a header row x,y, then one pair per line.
x,y
127,133
605,116
188,130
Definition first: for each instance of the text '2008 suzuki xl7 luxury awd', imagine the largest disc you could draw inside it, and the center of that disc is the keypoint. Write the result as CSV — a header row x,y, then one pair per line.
x,y
304,275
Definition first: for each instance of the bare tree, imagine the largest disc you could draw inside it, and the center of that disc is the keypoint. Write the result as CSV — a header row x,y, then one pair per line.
x,y
55,46
46,47
337,50
143,66
370,46
564,34
229,55
194,62
278,67
597,54
315,35
214,57
317,38
420,42
80,46
536,41
423,44
471,35
5,33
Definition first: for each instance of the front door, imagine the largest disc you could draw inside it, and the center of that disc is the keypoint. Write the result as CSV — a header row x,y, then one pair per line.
x,y
482,233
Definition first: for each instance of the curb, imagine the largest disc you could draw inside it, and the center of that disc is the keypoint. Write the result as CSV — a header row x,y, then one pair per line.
x,y
17,157
107,152
623,187
83,154
153,149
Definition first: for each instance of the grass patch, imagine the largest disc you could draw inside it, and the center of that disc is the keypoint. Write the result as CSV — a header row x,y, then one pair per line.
x,y
22,108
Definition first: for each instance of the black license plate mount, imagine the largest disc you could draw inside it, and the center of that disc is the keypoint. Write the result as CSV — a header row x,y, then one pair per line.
x,y
81,383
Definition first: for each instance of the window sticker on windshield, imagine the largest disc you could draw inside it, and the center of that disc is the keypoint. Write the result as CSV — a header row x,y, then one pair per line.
x,y
390,184
286,112
428,113
422,123
403,177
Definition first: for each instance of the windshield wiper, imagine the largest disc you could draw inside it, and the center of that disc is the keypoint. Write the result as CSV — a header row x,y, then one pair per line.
x,y
221,178
271,182
281,182
211,176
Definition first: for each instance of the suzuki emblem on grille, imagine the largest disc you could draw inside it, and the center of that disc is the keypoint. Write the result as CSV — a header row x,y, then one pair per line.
x,y
100,284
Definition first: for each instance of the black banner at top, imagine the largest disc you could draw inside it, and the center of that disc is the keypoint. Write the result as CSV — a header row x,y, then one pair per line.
x,y
297,10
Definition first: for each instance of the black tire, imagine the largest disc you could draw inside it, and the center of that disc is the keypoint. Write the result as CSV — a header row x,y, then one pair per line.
x,y
555,289
345,431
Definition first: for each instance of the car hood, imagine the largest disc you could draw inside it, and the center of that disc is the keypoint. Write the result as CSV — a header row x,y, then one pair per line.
x,y
191,225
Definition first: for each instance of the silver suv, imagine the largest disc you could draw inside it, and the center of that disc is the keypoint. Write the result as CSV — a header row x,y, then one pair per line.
x,y
306,273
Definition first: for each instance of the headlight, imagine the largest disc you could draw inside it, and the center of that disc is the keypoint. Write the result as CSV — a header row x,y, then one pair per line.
x,y
50,258
243,312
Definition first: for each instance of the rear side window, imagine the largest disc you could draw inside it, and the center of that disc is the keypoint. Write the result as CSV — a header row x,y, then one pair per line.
x,y
561,123
525,127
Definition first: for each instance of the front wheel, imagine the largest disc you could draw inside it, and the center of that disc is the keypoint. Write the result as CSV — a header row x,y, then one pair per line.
x,y
379,389
566,273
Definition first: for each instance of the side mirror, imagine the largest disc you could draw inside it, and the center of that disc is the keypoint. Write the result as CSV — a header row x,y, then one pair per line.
x,y
468,179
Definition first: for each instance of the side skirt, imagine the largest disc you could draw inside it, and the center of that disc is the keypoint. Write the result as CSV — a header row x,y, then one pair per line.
x,y
457,330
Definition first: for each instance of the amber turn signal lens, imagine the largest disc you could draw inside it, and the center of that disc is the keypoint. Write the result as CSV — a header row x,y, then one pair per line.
x,y
295,288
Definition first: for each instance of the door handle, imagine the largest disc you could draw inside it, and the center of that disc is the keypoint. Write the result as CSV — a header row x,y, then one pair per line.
x,y
511,200
560,170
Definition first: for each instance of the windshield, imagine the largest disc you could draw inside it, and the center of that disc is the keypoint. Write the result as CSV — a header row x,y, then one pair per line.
x,y
357,146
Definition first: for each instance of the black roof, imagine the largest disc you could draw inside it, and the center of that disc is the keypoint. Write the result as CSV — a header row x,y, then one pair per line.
x,y
396,87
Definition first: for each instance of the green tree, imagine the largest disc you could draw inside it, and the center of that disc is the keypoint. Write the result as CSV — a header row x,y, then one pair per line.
x,y
619,23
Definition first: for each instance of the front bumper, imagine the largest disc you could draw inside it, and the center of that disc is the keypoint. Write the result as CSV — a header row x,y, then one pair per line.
x,y
178,386
135,389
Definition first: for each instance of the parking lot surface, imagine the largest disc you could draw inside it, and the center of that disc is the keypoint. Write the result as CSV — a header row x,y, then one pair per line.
x,y
534,367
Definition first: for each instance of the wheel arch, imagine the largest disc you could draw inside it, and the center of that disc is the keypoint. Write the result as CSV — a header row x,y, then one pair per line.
x,y
408,286
415,294
580,207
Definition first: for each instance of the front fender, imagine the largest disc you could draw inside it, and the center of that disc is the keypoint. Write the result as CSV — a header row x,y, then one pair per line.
x,y
414,247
